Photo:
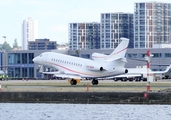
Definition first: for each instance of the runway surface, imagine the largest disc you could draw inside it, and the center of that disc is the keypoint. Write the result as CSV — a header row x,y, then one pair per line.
x,y
83,86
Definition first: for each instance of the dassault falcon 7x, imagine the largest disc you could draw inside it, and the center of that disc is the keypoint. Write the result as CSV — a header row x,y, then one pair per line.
x,y
78,68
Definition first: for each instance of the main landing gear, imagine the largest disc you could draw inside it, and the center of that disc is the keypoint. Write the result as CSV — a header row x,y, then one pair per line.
x,y
73,82
95,82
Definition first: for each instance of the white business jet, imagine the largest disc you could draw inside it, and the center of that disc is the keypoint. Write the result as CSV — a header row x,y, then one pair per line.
x,y
77,68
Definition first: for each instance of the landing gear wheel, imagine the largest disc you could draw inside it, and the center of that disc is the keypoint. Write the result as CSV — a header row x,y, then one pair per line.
x,y
73,82
95,82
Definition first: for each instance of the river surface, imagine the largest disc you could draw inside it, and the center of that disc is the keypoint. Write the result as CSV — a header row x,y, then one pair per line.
x,y
40,111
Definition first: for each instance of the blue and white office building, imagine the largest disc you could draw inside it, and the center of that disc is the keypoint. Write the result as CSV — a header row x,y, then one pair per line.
x,y
113,27
84,36
152,24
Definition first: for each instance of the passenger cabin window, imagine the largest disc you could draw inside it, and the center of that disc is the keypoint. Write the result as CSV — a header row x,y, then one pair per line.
x,y
66,62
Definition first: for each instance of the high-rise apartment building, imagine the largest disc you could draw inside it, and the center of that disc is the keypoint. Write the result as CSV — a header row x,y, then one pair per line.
x,y
113,27
152,24
84,36
29,32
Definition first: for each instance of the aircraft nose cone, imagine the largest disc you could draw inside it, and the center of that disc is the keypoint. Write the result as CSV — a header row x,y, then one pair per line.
x,y
34,59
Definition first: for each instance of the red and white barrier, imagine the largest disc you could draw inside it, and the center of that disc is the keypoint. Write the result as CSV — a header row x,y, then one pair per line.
x,y
148,70
0,87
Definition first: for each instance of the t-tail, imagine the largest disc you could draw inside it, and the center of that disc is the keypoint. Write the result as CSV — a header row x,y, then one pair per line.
x,y
120,51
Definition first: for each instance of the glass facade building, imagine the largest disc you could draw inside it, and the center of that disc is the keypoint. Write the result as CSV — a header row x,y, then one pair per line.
x,y
84,36
152,24
113,27
20,65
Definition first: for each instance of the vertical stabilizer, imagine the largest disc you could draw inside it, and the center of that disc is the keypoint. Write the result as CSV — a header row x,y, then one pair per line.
x,y
119,51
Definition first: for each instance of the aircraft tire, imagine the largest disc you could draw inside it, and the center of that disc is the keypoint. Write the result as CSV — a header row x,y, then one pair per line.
x,y
95,82
73,82
144,79
137,79
124,79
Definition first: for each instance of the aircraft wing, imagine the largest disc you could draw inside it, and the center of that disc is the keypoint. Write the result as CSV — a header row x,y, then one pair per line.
x,y
68,76
128,75
167,69
63,75
144,70
52,72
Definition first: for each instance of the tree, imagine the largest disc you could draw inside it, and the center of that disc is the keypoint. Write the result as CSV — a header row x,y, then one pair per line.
x,y
5,46
15,45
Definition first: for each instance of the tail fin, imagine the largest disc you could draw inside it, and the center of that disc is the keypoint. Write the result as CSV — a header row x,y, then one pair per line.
x,y
119,51
99,56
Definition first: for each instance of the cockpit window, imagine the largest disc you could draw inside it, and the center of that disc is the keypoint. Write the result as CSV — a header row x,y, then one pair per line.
x,y
40,55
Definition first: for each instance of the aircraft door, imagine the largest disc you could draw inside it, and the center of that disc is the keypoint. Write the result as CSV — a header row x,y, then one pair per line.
x,y
44,60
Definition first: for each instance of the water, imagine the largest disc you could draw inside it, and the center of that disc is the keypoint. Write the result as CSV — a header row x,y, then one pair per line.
x,y
29,111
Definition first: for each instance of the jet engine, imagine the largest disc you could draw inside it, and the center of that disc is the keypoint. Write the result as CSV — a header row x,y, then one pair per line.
x,y
95,67
126,70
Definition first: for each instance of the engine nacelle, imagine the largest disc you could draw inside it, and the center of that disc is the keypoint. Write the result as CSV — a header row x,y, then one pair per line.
x,y
126,70
95,67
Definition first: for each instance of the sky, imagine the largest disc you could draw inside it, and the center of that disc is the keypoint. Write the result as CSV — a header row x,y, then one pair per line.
x,y
54,16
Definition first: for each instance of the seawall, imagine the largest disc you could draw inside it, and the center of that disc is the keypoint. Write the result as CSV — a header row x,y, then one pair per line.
x,y
163,97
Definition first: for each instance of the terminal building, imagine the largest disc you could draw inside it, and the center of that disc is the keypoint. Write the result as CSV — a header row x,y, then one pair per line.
x,y
20,65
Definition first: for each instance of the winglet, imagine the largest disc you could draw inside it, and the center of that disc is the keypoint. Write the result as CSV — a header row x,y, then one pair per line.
x,y
165,71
